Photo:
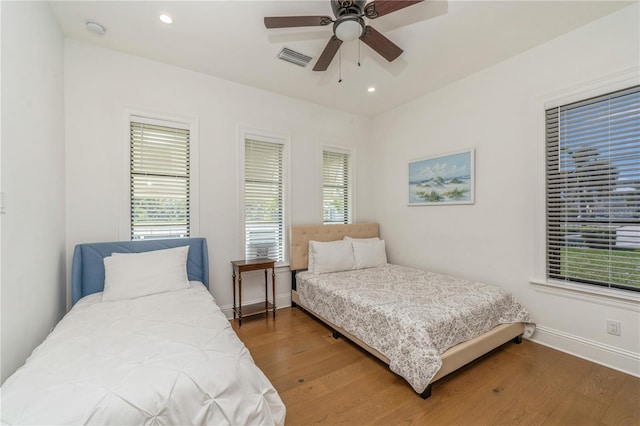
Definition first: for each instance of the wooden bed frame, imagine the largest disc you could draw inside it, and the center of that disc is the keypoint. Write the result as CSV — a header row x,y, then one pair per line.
x,y
452,359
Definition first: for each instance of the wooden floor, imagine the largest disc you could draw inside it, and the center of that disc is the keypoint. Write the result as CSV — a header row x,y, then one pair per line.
x,y
330,381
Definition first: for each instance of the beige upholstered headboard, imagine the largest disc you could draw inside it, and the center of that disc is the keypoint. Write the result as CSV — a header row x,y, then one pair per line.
x,y
300,236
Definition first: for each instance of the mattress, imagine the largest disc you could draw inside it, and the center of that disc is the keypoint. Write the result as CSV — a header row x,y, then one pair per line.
x,y
169,358
408,315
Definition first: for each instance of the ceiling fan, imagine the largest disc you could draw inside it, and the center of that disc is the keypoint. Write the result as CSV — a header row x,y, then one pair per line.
x,y
348,25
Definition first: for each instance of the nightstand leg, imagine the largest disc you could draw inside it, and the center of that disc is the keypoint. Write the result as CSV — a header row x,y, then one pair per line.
x,y
239,299
266,295
273,289
234,294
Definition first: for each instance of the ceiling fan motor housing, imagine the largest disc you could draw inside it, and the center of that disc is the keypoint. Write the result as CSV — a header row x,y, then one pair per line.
x,y
347,7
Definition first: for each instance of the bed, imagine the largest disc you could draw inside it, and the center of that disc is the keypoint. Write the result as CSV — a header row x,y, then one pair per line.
x,y
377,308
168,357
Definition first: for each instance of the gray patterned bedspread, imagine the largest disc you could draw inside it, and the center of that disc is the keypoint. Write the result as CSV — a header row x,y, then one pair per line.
x,y
408,315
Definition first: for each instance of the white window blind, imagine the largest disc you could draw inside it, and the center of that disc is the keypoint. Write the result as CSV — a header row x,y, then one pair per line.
x,y
336,187
593,190
159,183
264,200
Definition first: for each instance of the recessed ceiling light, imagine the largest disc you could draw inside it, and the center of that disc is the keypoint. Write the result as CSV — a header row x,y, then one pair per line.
x,y
371,89
166,19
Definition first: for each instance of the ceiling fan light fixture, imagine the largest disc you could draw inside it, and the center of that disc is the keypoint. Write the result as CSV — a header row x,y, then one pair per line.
x,y
349,28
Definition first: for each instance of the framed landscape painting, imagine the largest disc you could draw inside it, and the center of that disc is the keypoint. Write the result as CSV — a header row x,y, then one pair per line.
x,y
446,179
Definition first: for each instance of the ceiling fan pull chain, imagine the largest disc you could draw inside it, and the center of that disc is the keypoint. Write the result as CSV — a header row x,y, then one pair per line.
x,y
339,66
358,52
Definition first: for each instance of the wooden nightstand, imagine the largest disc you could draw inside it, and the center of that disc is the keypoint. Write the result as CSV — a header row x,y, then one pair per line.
x,y
240,266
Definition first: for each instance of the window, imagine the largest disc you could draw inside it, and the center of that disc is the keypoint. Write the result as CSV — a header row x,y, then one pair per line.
x,y
159,179
593,191
264,219
336,187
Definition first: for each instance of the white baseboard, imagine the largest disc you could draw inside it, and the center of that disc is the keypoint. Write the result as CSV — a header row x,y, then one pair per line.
x,y
282,301
609,356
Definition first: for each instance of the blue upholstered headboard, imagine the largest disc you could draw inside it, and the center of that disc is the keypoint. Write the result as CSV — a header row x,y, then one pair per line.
x,y
87,274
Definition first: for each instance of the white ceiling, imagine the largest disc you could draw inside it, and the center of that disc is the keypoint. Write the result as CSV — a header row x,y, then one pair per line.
x,y
442,41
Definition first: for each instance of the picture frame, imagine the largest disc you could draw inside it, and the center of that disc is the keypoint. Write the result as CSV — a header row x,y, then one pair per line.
x,y
443,179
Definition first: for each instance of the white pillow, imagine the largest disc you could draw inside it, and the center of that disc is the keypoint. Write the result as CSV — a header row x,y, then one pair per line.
x,y
364,240
131,275
369,254
332,256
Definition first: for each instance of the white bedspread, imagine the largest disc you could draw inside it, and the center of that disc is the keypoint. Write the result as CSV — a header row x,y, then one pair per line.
x,y
408,315
169,358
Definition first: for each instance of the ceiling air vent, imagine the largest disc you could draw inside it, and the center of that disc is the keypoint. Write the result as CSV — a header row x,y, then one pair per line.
x,y
294,57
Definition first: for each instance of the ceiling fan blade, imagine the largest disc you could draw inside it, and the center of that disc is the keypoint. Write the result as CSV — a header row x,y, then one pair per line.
x,y
296,21
378,8
328,53
382,45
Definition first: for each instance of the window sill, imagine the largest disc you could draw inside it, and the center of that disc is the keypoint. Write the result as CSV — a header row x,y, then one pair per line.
x,y
620,298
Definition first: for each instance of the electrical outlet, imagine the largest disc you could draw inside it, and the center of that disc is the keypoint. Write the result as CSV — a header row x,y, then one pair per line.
x,y
613,327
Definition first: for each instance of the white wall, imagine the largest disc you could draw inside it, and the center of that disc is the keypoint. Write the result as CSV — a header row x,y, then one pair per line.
x,y
33,249
499,112
101,84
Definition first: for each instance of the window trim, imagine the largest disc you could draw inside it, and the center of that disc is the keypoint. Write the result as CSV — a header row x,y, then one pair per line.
x,y
582,187
351,153
268,137
610,83
124,170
